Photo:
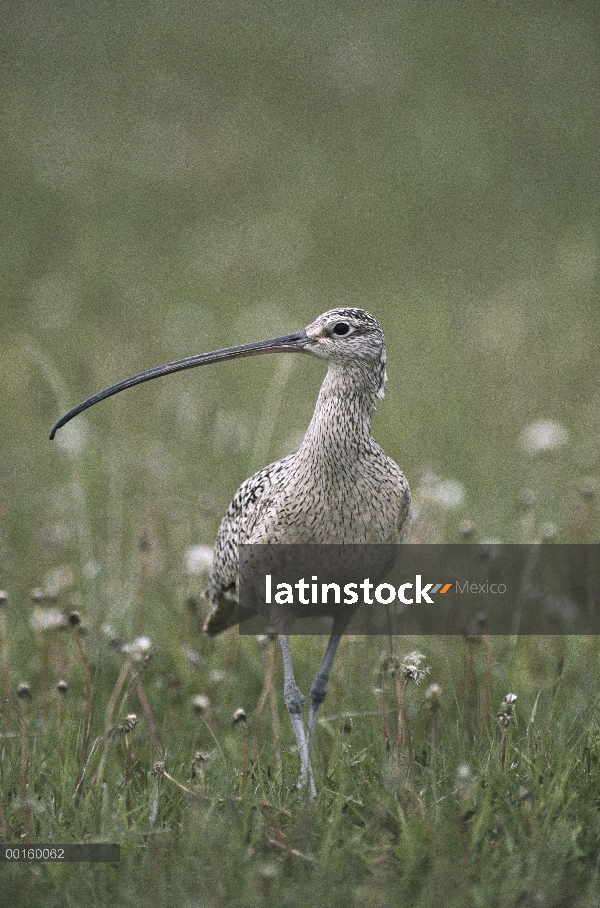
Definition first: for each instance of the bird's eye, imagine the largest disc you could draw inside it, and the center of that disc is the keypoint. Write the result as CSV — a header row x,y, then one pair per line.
x,y
341,328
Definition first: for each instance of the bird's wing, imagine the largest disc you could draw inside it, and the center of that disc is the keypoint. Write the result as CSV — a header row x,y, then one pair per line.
x,y
397,495
236,527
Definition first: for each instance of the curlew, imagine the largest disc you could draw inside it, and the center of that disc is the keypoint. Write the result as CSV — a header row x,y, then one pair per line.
x,y
338,488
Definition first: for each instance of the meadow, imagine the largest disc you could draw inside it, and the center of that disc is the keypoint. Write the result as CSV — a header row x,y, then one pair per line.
x,y
183,177
461,769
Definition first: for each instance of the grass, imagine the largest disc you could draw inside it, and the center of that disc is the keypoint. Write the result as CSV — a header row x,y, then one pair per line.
x,y
446,786
469,770
192,177
477,785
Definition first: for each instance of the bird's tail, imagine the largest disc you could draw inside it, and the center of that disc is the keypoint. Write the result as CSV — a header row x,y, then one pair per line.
x,y
223,615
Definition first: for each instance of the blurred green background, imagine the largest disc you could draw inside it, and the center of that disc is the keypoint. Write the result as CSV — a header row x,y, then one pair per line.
x,y
180,177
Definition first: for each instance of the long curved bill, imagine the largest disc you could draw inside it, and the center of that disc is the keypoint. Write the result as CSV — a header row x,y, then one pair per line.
x,y
289,344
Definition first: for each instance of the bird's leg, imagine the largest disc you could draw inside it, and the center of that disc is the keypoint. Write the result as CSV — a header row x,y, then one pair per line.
x,y
318,690
295,703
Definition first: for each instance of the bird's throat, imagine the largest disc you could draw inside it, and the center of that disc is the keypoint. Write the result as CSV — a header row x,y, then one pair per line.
x,y
340,427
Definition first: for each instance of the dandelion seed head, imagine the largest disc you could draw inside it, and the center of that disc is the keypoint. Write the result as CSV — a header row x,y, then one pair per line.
x,y
467,529
137,649
448,493
47,619
73,438
200,704
203,756
239,716
57,581
465,781
91,569
434,693
198,559
130,722
413,658
464,772
194,658
543,435
505,715
410,667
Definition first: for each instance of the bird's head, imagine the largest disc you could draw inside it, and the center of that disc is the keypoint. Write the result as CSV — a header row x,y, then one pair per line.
x,y
349,339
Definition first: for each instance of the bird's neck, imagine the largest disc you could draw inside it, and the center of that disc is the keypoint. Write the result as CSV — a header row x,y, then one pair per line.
x,y
341,422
